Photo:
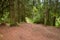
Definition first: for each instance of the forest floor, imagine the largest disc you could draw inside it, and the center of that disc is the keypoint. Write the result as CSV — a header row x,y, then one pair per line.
x,y
26,31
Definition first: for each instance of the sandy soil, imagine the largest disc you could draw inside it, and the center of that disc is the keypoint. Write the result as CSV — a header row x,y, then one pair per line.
x,y
27,31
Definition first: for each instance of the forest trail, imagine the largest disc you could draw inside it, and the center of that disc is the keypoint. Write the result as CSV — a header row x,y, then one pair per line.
x,y
27,31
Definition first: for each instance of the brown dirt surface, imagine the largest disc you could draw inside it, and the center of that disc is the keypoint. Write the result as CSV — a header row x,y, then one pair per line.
x,y
26,31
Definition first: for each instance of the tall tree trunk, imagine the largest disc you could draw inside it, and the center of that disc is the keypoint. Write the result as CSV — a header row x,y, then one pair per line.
x,y
46,13
46,16
16,10
12,12
19,9
55,11
1,8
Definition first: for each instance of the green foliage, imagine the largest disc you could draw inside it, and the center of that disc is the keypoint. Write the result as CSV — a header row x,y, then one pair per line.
x,y
37,15
29,20
4,18
58,22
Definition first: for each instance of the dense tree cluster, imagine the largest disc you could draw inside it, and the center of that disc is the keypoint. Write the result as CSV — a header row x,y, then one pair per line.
x,y
33,11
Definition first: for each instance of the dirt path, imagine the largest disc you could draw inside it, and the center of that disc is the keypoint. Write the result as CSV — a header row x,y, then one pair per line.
x,y
30,32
